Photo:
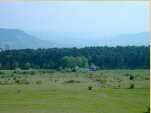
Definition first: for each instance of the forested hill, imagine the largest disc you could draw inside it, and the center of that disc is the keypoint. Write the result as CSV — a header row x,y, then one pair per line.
x,y
129,57
18,39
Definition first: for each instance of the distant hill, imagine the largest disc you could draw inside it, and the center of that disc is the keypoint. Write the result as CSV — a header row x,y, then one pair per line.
x,y
18,39
132,39
73,39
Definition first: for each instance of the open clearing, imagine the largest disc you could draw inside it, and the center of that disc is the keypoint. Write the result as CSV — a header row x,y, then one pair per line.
x,y
43,91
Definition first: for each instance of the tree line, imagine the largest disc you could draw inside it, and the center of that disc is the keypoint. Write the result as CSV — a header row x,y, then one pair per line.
x,y
128,57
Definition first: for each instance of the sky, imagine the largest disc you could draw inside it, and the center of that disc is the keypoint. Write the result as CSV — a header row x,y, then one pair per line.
x,y
100,17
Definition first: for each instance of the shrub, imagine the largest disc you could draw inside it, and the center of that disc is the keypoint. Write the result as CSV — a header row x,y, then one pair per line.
x,y
90,87
131,86
146,78
55,81
18,91
72,81
14,72
14,78
38,82
97,80
32,72
12,75
119,86
17,81
103,81
22,81
131,77
2,76
148,110
1,73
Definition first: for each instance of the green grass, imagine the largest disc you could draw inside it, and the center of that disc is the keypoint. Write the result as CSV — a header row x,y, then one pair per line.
x,y
54,95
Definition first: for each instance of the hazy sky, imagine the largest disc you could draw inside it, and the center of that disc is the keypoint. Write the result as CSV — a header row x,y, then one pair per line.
x,y
102,17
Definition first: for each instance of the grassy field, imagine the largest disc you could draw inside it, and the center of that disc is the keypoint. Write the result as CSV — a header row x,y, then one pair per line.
x,y
47,91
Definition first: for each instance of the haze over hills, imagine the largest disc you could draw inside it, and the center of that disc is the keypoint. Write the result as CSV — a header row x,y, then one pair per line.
x,y
48,25
18,39
74,39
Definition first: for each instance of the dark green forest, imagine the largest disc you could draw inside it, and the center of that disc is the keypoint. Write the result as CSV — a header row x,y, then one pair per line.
x,y
129,57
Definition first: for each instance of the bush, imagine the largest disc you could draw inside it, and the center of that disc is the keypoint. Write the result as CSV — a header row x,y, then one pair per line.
x,y
132,86
148,110
131,77
119,86
12,75
146,78
72,81
2,76
39,82
2,73
18,91
97,80
14,78
28,72
22,81
32,73
55,81
103,81
90,87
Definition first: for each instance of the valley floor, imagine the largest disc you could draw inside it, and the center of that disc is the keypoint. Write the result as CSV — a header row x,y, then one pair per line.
x,y
67,92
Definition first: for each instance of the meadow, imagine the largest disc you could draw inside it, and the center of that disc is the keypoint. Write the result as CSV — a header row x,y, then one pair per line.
x,y
50,91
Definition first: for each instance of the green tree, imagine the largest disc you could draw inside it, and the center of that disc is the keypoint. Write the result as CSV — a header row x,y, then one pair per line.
x,y
72,62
